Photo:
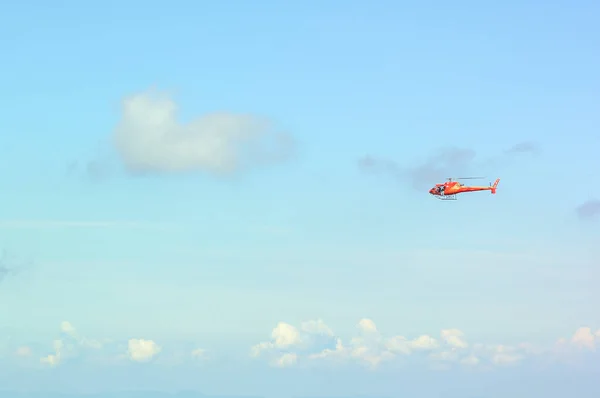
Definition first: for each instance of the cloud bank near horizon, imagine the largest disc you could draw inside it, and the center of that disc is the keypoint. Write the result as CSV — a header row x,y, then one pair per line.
x,y
314,343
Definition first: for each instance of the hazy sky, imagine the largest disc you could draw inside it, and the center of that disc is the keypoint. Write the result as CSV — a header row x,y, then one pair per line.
x,y
232,197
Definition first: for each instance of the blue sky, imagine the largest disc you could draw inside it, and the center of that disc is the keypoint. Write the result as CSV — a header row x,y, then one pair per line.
x,y
139,201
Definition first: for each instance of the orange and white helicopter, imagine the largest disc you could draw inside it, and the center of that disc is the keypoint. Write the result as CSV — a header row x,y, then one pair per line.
x,y
449,189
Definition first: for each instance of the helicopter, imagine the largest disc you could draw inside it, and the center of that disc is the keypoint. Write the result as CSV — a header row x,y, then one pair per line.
x,y
449,189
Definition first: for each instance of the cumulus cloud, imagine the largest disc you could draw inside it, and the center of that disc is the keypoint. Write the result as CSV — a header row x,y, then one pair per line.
x,y
368,347
454,338
585,338
140,350
150,139
314,343
589,209
55,358
505,355
286,360
69,345
70,331
454,162
73,345
371,348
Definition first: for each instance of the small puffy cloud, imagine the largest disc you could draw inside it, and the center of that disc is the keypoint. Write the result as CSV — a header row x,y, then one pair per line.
x,y
367,347
140,350
371,348
283,336
286,360
198,353
316,327
506,355
69,345
70,331
367,326
150,139
288,341
67,328
54,359
424,342
454,338
585,338
23,351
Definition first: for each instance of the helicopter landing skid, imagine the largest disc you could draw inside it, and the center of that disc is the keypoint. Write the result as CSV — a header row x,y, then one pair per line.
x,y
446,197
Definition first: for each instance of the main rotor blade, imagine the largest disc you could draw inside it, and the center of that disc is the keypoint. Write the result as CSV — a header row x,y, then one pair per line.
x,y
469,178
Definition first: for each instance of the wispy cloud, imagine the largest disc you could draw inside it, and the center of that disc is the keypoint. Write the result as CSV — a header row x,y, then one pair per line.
x,y
589,209
9,266
524,147
447,162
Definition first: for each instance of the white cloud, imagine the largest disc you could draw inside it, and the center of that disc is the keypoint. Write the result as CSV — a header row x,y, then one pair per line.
x,y
151,139
317,327
454,338
286,360
424,342
54,359
70,331
367,326
283,336
369,347
69,345
23,351
585,338
315,342
140,350
506,355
